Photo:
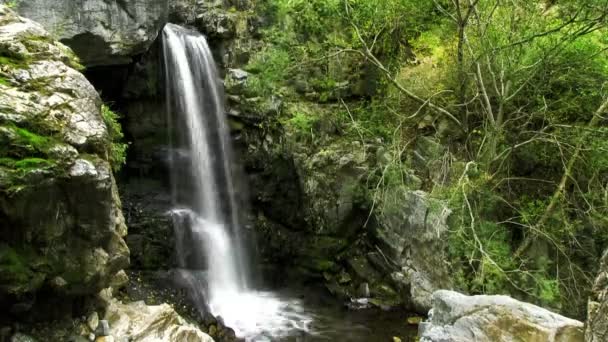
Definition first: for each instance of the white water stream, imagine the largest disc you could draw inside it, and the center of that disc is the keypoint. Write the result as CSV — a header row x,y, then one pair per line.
x,y
211,254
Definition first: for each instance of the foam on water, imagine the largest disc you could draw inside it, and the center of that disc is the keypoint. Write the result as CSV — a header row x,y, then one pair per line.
x,y
254,315
260,316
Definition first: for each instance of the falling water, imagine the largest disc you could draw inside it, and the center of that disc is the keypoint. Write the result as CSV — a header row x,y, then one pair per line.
x,y
210,253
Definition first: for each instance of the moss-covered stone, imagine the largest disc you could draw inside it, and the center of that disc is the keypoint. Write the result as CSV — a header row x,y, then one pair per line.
x,y
60,221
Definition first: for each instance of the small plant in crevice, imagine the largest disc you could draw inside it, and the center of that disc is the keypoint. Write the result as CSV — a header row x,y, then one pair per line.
x,y
118,147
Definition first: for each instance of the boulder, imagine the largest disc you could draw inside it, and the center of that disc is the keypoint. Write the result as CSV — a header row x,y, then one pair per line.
x,y
61,223
459,318
411,232
159,323
100,32
597,314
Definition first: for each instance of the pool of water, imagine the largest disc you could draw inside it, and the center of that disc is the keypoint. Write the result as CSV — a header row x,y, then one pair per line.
x,y
291,314
330,320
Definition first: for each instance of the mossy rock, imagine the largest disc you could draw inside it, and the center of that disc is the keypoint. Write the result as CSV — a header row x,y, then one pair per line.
x,y
61,224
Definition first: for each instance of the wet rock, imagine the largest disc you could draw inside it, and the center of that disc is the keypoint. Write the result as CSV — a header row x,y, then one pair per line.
x,y
103,329
105,339
93,321
58,283
359,304
19,337
217,23
597,308
236,81
100,32
459,318
364,290
78,338
119,280
140,322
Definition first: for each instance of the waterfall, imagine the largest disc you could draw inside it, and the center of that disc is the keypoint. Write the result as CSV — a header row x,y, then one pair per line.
x,y
210,251
212,230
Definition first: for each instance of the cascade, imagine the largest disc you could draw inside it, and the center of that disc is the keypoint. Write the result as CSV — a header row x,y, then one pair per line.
x,y
210,251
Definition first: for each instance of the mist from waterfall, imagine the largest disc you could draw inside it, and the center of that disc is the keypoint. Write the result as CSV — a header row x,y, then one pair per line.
x,y
210,251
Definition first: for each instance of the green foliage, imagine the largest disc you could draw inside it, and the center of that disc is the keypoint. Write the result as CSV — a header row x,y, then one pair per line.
x,y
269,68
13,268
118,148
480,245
301,121
526,81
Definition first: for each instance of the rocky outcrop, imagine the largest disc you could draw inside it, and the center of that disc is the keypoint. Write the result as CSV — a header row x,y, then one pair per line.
x,y
159,323
61,224
412,231
459,318
597,314
100,32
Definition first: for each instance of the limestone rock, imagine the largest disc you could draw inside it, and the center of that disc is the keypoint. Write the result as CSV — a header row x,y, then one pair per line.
x,y
105,339
597,316
140,322
60,217
411,231
120,280
100,32
19,337
103,329
93,321
459,318
330,181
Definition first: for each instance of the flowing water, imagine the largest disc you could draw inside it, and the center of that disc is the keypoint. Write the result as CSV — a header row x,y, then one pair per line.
x,y
211,253
211,256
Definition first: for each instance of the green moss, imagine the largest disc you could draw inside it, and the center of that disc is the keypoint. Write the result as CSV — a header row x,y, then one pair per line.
x,y
118,148
25,143
33,163
40,85
13,268
322,265
19,269
36,38
14,62
21,153
73,61
34,140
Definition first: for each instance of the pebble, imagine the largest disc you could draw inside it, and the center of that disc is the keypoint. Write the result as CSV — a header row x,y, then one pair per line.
x,y
103,329
93,321
105,339
414,320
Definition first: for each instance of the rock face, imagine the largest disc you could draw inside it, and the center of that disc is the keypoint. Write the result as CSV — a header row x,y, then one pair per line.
x,y
160,323
101,32
597,317
459,318
61,224
411,231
